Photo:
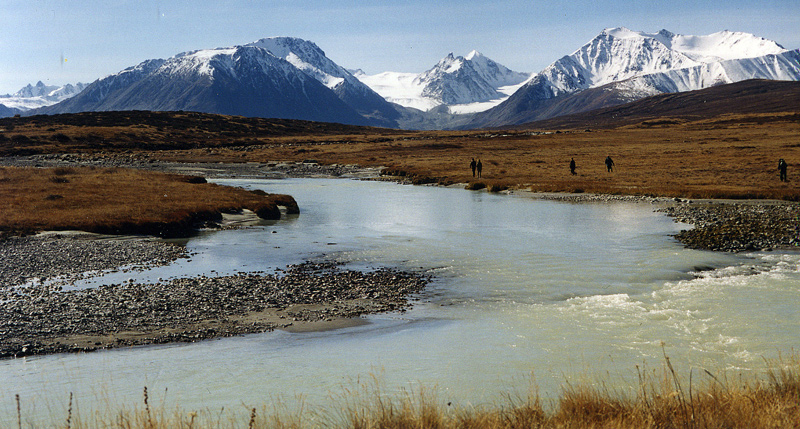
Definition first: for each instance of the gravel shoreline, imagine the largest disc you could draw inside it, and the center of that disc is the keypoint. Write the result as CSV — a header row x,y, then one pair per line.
x,y
39,320
262,170
723,226
739,226
74,256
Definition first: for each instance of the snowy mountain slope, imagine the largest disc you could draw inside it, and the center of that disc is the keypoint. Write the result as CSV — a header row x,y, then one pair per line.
x,y
240,80
32,97
636,64
619,54
309,58
466,84
400,88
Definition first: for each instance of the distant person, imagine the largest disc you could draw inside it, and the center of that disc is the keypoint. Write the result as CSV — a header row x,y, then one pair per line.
x,y
473,165
479,166
572,166
782,168
609,164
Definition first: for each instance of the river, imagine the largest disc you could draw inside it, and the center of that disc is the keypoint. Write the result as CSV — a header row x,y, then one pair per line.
x,y
526,293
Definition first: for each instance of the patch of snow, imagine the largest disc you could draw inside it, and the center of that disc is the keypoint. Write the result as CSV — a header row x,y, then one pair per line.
x,y
40,95
401,88
469,108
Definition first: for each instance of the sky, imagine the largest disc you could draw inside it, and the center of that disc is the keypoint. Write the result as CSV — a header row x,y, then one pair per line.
x,y
70,41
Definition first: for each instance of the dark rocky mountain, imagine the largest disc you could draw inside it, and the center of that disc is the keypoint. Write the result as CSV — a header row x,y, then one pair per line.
x,y
241,80
309,58
750,97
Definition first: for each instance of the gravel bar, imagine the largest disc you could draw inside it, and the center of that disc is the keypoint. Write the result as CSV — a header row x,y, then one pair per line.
x,y
739,226
72,256
39,320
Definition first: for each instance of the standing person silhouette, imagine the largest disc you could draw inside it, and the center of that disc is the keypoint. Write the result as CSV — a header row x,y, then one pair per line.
x,y
609,164
782,168
572,166
472,165
479,167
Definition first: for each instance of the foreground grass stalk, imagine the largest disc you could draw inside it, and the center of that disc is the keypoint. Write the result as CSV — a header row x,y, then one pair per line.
x,y
69,412
19,412
772,401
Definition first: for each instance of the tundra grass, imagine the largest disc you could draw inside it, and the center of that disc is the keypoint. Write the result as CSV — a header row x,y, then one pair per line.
x,y
726,156
116,200
734,156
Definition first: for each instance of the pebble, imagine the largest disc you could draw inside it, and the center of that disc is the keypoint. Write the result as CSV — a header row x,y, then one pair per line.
x,y
182,309
70,257
738,227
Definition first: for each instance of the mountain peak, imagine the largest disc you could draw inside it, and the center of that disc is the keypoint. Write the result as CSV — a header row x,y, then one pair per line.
x,y
473,54
629,65
619,32
282,46
666,33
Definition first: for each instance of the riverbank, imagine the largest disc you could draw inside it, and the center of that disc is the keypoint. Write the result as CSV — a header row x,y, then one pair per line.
x,y
145,318
114,200
719,224
39,317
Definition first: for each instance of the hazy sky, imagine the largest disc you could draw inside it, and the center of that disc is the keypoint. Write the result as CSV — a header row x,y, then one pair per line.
x,y
68,41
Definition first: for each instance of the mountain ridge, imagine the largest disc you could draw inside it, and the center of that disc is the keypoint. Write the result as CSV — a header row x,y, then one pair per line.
x,y
239,80
631,65
286,77
749,97
454,81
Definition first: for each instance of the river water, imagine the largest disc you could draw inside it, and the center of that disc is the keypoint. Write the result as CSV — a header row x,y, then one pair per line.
x,y
526,294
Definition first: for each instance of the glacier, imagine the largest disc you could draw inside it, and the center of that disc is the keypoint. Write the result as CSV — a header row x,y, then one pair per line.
x,y
465,84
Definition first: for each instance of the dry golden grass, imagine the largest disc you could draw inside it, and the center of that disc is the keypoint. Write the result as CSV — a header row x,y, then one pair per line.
x,y
115,200
734,156
663,400
727,156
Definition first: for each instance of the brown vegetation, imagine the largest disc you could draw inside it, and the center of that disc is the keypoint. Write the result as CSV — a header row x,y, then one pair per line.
x,y
126,131
662,400
722,142
734,156
120,201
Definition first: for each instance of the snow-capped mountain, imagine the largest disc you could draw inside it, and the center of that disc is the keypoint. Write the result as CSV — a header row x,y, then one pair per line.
x,y
244,80
634,65
309,58
465,84
39,95
286,77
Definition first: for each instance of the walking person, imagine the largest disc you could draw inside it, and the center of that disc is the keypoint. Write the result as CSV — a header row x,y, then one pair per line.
x,y
572,166
472,165
479,166
609,164
782,168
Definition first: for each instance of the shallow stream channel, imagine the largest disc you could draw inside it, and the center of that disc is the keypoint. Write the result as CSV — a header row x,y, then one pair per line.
x,y
528,295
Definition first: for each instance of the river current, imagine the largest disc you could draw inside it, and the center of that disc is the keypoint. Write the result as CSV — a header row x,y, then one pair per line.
x,y
527,294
